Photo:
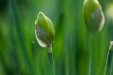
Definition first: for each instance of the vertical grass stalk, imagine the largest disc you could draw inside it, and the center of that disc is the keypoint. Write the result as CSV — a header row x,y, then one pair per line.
x,y
106,68
51,61
90,58
109,61
90,62
111,69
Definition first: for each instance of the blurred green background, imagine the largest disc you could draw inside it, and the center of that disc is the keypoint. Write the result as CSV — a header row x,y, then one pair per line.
x,y
20,54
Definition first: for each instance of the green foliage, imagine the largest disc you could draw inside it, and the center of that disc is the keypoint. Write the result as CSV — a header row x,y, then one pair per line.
x,y
20,54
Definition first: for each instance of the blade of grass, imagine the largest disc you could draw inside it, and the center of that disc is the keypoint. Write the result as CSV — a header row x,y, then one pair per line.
x,y
20,36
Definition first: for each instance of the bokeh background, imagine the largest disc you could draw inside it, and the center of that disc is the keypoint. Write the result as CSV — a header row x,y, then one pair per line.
x,y
20,54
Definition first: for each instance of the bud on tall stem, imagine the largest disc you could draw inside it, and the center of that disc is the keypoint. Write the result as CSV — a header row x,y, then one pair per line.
x,y
45,34
94,21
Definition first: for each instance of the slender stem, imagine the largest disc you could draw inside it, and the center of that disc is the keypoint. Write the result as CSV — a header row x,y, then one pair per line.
x,y
90,62
90,58
106,69
51,61
111,69
109,61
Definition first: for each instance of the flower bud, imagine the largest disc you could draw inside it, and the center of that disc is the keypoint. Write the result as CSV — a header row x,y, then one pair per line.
x,y
93,16
45,31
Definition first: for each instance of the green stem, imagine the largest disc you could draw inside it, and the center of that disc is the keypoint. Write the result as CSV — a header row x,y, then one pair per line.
x,y
91,58
111,69
90,62
109,62
106,66
51,61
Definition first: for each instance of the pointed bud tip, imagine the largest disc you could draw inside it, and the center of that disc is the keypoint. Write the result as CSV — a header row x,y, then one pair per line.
x,y
40,14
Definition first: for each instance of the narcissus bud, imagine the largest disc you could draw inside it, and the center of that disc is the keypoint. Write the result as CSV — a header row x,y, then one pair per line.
x,y
45,31
93,16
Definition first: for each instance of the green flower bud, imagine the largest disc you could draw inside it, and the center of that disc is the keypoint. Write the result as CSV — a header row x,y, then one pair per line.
x,y
93,16
45,31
